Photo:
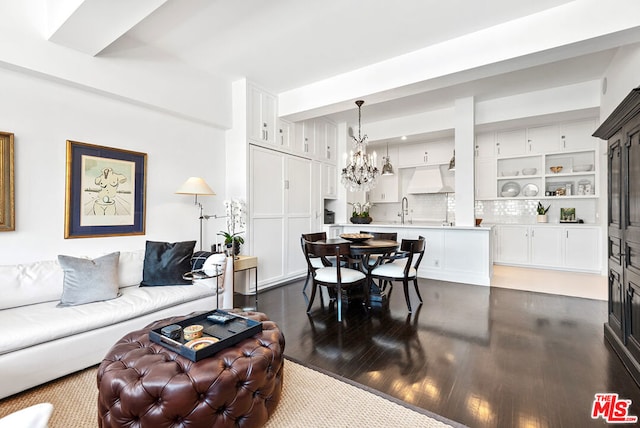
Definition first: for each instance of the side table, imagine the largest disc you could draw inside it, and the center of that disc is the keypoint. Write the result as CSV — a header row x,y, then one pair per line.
x,y
246,263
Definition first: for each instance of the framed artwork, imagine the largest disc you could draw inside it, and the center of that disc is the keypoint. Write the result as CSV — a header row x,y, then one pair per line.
x,y
7,189
105,191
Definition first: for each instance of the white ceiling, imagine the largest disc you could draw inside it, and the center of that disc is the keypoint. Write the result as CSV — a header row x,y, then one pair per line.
x,y
284,44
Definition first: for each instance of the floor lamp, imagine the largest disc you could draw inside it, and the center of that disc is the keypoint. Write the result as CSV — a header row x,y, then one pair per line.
x,y
197,186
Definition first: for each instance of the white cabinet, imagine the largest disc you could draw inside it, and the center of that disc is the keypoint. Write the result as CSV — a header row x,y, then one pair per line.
x,y
485,145
388,187
572,247
325,140
485,178
305,137
261,115
420,154
284,138
281,210
511,143
577,135
543,139
329,179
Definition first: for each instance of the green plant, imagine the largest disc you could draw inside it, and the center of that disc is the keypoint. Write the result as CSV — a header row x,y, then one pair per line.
x,y
360,210
541,209
231,237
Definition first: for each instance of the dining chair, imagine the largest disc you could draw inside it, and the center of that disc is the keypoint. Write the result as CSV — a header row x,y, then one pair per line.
x,y
334,277
315,261
411,250
391,236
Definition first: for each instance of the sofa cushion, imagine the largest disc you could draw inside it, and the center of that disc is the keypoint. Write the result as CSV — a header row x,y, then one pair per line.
x,y
165,263
27,284
130,268
89,280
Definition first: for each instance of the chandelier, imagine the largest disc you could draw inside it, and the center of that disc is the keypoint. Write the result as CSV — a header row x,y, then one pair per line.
x,y
361,172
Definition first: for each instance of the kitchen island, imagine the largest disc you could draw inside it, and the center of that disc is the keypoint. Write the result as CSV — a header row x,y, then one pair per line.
x,y
454,253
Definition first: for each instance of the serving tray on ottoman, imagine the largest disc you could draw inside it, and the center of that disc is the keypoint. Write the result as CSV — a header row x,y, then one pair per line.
x,y
222,329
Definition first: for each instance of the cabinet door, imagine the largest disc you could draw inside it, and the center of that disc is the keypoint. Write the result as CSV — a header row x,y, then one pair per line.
x,y
582,248
285,134
543,139
320,139
262,116
439,152
546,246
486,145
307,137
268,117
577,135
412,155
511,143
329,179
485,178
513,244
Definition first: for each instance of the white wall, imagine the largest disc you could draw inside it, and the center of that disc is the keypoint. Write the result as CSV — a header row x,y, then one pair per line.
x,y
622,76
43,114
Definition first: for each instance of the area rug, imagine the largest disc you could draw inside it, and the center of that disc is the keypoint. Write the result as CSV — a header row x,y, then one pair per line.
x,y
309,399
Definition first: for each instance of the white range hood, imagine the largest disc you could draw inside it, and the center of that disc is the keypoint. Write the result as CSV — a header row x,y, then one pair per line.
x,y
428,180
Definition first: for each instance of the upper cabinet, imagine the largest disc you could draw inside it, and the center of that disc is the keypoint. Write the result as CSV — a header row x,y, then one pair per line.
x,y
511,143
261,116
285,135
577,135
317,139
422,154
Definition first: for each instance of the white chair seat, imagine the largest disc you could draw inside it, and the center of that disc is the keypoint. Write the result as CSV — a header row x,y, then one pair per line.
x,y
330,274
393,270
316,262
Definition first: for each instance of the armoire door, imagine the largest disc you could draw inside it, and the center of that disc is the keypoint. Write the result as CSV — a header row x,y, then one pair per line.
x,y
631,233
614,245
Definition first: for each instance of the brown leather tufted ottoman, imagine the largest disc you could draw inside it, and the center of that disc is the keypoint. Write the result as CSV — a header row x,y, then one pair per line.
x,y
143,384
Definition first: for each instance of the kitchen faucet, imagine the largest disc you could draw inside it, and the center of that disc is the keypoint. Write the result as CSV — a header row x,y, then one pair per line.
x,y
404,209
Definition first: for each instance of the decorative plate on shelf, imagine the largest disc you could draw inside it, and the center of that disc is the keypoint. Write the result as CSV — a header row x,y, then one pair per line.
x,y
530,190
510,189
356,237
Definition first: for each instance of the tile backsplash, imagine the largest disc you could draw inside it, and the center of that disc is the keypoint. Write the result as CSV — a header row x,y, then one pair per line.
x,y
441,206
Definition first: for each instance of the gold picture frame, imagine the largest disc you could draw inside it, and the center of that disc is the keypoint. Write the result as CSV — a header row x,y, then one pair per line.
x,y
7,187
105,191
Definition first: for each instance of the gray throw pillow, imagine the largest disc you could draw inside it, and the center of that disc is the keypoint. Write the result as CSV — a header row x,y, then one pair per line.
x,y
87,280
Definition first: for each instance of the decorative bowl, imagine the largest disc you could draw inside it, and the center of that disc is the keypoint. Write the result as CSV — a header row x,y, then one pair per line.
x,y
510,189
556,169
356,237
582,168
509,193
529,171
510,173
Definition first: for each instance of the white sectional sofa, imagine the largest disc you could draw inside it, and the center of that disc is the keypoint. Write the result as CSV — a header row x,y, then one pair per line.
x,y
40,342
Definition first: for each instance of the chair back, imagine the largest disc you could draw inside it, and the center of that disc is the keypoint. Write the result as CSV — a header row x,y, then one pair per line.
x,y
391,236
311,237
413,247
339,250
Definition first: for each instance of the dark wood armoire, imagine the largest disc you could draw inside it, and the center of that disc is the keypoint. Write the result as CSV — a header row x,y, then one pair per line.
x,y
622,329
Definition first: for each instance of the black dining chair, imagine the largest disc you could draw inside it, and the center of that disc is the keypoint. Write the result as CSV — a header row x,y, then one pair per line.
x,y
335,277
390,236
412,251
315,261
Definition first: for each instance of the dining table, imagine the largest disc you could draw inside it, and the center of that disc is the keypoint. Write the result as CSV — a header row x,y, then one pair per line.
x,y
361,251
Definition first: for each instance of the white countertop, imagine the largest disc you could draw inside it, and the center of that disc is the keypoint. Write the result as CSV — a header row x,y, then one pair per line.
x,y
415,225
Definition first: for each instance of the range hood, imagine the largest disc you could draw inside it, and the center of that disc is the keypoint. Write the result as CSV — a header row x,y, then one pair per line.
x,y
428,180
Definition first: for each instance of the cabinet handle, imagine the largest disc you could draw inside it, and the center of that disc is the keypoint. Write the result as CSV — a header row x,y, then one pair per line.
x,y
533,233
286,184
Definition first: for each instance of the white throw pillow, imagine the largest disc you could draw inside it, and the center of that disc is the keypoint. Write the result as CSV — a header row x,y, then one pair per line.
x,y
32,417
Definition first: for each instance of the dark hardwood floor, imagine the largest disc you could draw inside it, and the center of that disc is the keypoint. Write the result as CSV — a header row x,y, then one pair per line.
x,y
485,357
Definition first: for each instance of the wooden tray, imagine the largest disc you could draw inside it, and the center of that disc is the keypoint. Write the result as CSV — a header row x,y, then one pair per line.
x,y
228,334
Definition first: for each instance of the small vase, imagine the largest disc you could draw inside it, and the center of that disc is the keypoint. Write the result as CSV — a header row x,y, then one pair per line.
x,y
542,218
361,220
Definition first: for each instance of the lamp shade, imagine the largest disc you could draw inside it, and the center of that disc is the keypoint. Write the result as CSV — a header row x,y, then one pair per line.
x,y
195,186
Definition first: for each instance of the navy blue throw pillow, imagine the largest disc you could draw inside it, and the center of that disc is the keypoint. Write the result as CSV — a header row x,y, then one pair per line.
x,y
166,262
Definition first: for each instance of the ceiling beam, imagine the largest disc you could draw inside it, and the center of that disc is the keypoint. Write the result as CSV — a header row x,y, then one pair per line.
x,y
89,26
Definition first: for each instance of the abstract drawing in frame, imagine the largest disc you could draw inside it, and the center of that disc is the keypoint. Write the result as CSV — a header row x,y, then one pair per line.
x,y
7,187
105,191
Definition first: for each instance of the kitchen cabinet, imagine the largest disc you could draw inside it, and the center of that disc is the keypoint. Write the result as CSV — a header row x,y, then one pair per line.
x,y
329,179
485,184
543,139
281,210
421,154
574,247
577,135
325,139
388,187
485,145
511,143
622,132
261,115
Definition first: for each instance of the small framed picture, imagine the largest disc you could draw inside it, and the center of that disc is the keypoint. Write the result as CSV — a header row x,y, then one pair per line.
x,y
567,214
7,195
105,191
